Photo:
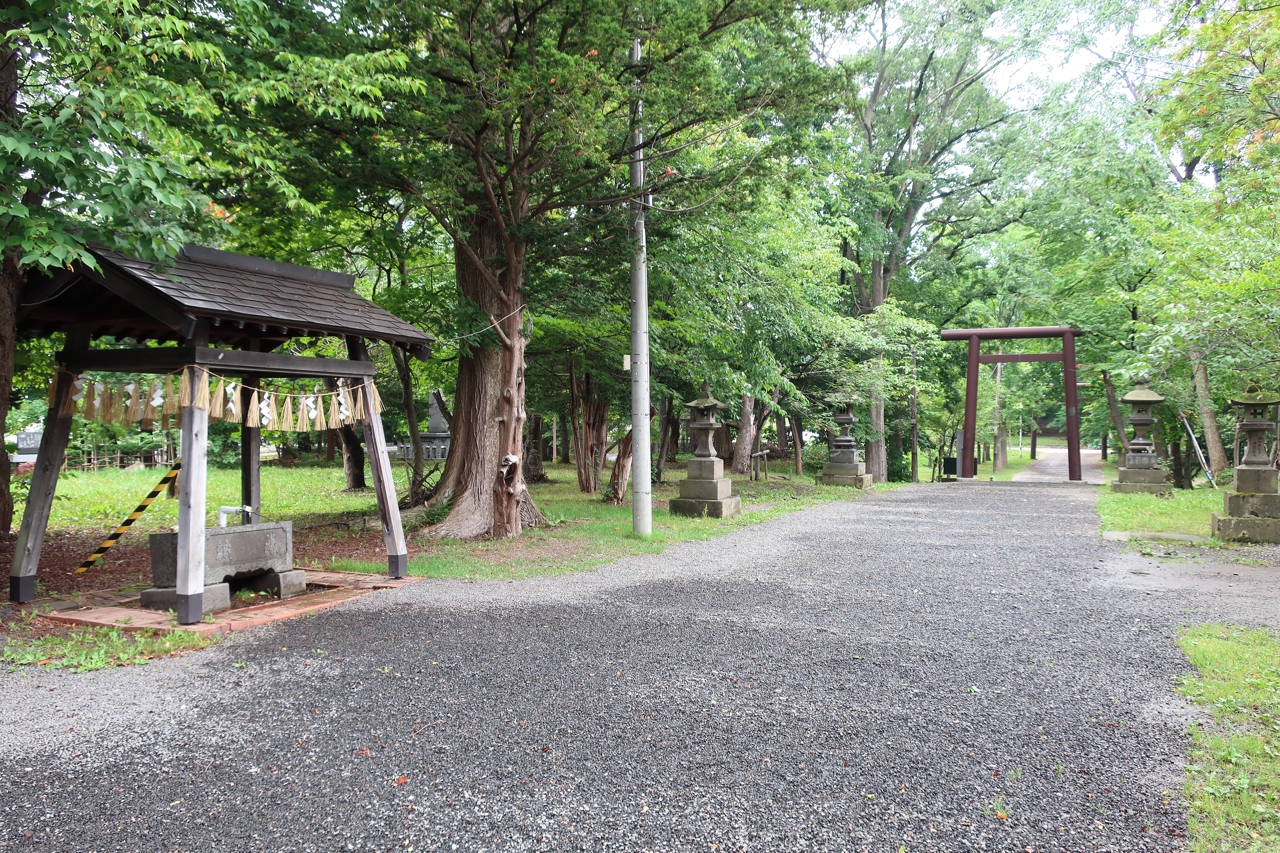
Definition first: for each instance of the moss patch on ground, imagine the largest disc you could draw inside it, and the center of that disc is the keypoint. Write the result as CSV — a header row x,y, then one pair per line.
x,y
1233,781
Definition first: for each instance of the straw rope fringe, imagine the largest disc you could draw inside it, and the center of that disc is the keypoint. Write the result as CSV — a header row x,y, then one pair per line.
x,y
146,401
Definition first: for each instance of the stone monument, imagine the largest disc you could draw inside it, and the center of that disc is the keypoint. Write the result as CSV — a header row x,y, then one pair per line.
x,y
435,441
1253,508
706,491
845,466
1141,471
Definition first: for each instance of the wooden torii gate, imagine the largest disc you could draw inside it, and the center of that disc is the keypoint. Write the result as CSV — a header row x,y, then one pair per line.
x,y
225,312
975,337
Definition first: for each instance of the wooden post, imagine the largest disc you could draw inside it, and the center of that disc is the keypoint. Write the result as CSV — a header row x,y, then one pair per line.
x,y
1073,405
44,481
191,501
967,467
250,456
380,464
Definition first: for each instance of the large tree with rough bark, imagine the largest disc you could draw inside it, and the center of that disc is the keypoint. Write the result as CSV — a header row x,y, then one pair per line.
x,y
512,118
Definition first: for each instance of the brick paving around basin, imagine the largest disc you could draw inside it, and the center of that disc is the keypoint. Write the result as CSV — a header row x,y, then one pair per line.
x,y
937,667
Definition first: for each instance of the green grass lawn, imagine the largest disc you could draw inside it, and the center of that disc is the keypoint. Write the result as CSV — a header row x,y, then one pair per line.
x,y
1233,782
586,532
1176,511
99,501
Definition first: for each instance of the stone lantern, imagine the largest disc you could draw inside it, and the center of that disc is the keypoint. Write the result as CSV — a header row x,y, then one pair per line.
x,y
1141,471
1253,508
844,466
706,490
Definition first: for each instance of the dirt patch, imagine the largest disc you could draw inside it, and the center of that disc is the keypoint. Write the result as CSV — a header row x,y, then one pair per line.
x,y
25,625
1212,583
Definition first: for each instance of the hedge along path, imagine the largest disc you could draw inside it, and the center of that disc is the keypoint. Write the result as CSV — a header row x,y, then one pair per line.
x,y
128,522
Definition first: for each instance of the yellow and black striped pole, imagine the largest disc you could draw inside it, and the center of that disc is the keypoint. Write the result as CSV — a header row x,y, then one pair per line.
x,y
133,516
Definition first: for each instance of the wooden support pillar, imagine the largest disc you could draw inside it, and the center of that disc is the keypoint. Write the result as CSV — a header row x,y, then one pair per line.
x,y
250,456
1073,405
967,468
380,465
191,509
44,481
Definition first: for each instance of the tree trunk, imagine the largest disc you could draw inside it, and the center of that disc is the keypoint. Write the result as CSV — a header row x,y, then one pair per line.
x,y
1114,405
674,446
533,450
723,445
417,491
1000,452
1177,464
797,441
664,428
10,287
1208,415
876,450
746,432
352,458
589,417
482,477
11,273
616,494
784,446
566,438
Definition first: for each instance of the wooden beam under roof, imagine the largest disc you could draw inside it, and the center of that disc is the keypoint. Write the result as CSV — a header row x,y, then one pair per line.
x,y
232,362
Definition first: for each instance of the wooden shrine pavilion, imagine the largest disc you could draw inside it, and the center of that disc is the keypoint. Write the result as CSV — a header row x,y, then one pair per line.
x,y
209,312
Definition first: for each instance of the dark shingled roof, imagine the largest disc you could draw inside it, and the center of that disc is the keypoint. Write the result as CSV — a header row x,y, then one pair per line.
x,y
241,296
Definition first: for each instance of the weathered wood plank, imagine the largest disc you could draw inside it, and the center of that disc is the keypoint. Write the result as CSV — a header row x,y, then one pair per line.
x,y
191,514
250,455
169,359
380,465
44,481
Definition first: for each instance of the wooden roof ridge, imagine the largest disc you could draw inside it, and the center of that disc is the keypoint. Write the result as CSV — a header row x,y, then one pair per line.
x,y
251,263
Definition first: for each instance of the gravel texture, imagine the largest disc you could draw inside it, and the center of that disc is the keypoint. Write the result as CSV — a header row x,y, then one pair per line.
x,y
931,668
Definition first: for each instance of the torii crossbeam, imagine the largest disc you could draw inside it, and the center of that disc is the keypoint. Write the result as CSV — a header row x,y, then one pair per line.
x,y
975,337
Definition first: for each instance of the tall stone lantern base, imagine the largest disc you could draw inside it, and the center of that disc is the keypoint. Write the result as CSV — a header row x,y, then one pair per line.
x,y
1251,516
844,466
706,491
1141,472
1253,509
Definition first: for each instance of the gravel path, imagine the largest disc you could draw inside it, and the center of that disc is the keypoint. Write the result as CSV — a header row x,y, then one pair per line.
x,y
1050,466
932,668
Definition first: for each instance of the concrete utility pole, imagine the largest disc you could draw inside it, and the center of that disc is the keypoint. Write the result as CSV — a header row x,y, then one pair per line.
x,y
641,478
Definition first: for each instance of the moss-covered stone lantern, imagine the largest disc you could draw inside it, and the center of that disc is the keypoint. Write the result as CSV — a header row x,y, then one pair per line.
x,y
1141,471
706,491
1253,507
844,466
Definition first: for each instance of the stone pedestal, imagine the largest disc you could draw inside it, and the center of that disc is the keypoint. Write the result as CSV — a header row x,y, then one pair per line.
x,y
258,557
1253,509
844,467
706,492
1141,473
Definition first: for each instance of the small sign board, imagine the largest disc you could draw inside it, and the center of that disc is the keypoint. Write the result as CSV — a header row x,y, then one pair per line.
x,y
28,446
